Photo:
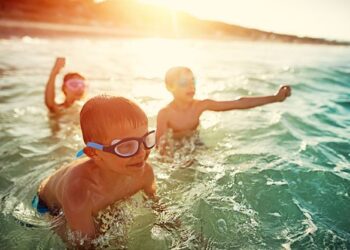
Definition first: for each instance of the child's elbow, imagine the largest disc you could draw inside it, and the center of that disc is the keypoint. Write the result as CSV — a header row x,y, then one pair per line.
x,y
51,106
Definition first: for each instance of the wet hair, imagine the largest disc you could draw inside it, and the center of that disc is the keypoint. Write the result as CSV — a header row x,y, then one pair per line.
x,y
101,111
72,75
173,74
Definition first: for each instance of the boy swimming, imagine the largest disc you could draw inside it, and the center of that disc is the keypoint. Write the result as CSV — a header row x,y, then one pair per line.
x,y
181,115
73,87
118,143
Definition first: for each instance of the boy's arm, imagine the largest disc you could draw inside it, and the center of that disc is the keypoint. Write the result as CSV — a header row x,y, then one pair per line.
x,y
246,102
158,206
150,191
77,209
150,183
162,127
50,86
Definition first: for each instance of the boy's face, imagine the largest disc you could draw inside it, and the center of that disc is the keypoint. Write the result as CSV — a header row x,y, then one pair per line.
x,y
74,88
184,87
126,166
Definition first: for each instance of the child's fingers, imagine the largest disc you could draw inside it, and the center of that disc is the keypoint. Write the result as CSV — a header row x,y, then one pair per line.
x,y
287,90
60,61
285,87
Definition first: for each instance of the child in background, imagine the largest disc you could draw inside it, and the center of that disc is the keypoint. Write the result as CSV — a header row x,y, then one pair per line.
x,y
73,87
118,143
181,115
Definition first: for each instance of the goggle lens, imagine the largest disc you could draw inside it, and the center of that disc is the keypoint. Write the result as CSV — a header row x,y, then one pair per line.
x,y
127,148
184,82
130,147
150,140
75,85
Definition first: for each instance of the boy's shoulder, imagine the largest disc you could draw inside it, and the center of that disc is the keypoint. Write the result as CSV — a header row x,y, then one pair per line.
x,y
78,180
79,172
165,109
169,107
164,112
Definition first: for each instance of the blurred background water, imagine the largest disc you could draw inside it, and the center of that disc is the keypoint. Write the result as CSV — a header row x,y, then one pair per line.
x,y
272,177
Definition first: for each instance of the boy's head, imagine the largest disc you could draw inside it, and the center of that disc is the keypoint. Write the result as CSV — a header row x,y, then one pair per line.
x,y
107,119
74,86
180,82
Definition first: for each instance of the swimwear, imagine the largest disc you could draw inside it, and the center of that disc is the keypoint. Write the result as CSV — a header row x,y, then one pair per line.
x,y
39,205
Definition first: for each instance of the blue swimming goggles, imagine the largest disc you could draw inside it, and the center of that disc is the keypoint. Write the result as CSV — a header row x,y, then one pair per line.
x,y
184,82
126,147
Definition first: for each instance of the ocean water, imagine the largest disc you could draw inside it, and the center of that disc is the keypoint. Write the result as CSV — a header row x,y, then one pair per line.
x,y
273,177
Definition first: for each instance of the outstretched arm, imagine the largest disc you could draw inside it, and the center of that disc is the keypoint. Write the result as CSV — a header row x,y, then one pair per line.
x,y
162,127
247,102
50,86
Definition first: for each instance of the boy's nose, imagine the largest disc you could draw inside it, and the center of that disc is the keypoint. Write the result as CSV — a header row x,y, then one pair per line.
x,y
191,86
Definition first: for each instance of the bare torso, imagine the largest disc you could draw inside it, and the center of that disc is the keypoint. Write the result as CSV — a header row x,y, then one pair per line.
x,y
102,193
188,117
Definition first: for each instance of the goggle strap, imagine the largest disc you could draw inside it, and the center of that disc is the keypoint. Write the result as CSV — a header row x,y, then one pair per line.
x,y
79,153
91,145
94,145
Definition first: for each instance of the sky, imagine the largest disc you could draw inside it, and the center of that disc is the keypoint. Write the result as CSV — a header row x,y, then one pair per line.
x,y
314,18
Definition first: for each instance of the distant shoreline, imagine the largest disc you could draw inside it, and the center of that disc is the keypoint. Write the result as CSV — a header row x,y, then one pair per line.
x,y
126,19
10,28
19,28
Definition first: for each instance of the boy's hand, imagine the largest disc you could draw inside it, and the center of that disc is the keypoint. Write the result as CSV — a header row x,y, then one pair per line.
x,y
59,64
283,93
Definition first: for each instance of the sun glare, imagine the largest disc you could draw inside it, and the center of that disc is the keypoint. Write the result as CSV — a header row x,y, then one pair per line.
x,y
173,5
296,17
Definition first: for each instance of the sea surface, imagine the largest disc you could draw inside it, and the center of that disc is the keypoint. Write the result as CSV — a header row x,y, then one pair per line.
x,y
272,177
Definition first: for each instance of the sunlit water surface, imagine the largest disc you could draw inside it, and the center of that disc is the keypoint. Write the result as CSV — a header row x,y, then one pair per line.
x,y
272,177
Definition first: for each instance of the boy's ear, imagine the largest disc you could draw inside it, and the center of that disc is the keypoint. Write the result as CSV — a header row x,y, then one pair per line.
x,y
91,152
